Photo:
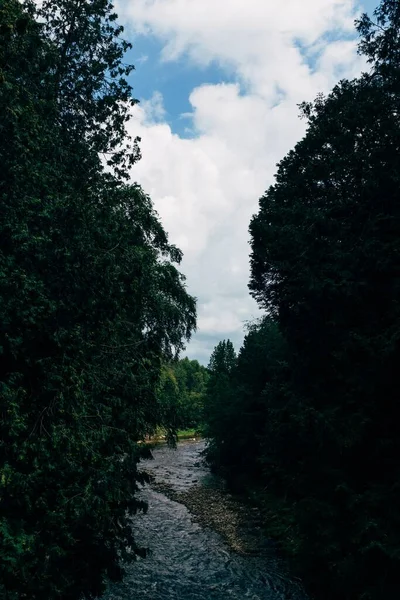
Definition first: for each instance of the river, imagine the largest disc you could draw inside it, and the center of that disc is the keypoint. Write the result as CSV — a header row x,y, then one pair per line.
x,y
188,560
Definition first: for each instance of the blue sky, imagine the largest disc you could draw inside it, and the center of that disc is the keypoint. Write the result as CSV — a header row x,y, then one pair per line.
x,y
176,80
219,85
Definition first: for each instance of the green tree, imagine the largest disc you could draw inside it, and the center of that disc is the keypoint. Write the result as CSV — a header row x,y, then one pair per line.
x,y
182,390
380,42
241,406
88,81
91,303
218,404
260,380
192,380
223,359
324,261
169,399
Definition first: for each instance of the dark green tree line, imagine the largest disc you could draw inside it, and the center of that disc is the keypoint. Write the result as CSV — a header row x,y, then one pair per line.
x,y
218,405
91,302
325,266
239,401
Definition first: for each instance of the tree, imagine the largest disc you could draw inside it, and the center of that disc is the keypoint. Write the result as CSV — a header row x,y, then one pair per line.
x,y
181,393
192,381
241,406
218,403
88,80
169,398
223,359
260,379
380,41
324,262
91,303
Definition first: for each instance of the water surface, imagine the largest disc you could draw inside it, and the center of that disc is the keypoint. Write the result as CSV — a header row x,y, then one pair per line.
x,y
188,561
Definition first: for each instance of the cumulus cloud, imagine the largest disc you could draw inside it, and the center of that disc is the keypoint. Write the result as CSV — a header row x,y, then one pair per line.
x,y
207,187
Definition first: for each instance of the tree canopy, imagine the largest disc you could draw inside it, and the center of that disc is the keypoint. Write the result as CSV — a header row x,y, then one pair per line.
x,y
181,393
318,389
91,302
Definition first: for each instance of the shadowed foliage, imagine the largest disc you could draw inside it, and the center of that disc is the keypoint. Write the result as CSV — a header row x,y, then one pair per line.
x,y
312,420
91,302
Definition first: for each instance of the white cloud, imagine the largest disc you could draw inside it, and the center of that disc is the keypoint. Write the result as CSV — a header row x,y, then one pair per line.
x,y
153,109
206,188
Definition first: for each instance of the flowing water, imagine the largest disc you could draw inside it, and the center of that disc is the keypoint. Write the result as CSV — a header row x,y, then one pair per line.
x,y
188,561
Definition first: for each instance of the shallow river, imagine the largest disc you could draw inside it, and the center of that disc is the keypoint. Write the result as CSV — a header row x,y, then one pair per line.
x,y
188,561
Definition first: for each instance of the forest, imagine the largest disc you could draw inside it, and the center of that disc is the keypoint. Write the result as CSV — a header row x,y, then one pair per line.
x,y
95,312
306,416
181,394
92,303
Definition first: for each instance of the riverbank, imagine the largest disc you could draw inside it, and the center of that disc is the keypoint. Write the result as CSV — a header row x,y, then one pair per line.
x,y
182,434
238,524
204,542
235,517
192,531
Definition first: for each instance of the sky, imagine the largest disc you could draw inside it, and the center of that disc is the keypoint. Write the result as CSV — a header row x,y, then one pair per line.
x,y
219,82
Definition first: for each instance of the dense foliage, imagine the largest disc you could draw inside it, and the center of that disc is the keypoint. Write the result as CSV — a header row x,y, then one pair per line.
x,y
311,418
181,393
91,302
218,403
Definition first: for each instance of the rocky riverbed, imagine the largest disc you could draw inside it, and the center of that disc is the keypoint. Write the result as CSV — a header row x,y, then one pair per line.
x,y
239,525
204,544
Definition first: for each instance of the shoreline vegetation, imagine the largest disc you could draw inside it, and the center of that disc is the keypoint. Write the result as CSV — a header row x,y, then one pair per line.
x,y
181,435
92,302
305,416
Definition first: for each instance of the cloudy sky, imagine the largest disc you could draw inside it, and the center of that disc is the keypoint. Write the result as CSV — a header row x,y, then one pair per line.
x,y
219,82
